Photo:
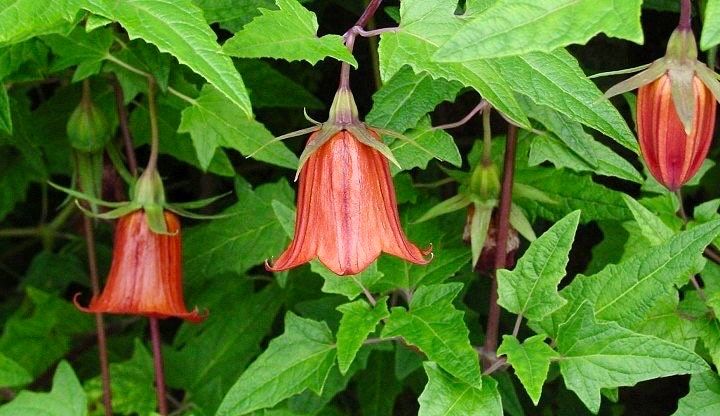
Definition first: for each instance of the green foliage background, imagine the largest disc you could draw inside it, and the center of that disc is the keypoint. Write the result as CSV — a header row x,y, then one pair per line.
x,y
602,295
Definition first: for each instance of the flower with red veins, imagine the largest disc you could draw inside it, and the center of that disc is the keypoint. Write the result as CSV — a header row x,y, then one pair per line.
x,y
146,272
672,155
676,103
347,210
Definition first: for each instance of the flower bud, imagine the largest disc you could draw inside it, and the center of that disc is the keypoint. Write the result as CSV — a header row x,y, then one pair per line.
x,y
87,127
673,156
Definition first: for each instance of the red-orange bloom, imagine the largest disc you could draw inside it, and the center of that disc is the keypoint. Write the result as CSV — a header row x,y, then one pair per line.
x,y
347,212
146,272
672,156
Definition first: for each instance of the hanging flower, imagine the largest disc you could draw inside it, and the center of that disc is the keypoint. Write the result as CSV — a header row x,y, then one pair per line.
x,y
146,272
677,97
347,211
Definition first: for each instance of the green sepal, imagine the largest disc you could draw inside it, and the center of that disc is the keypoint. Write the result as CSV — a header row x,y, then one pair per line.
x,y
295,133
149,189
521,224
451,204
405,139
620,71
325,133
654,71
522,190
115,158
155,217
479,225
709,78
113,214
200,203
681,87
310,119
362,134
188,214
86,197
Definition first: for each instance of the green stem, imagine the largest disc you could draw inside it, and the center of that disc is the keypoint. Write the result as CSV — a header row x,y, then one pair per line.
x,y
487,138
138,71
154,134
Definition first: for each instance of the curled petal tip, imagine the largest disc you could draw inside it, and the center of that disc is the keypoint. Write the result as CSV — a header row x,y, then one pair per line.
x,y
79,306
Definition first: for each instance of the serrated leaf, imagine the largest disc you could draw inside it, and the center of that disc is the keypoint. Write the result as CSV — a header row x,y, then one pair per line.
x,y
530,360
213,122
437,328
652,227
512,27
231,14
237,243
665,321
87,50
24,19
12,374
711,25
178,28
350,286
288,33
445,395
67,397
270,88
132,383
358,321
531,288
552,79
378,388
299,359
406,98
424,144
597,355
571,192
627,291
424,27
703,398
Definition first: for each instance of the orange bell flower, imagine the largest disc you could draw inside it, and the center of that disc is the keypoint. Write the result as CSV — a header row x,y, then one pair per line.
x,y
347,211
146,272
672,155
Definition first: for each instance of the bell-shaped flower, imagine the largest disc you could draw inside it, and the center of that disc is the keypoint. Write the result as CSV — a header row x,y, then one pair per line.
x,y
346,211
675,110
146,273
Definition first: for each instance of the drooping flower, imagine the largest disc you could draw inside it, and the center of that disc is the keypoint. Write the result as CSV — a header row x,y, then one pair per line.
x,y
347,211
146,272
677,97
672,155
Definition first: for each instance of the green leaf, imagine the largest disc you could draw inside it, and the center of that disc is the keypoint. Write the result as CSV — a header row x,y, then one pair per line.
x,y
132,384
289,33
86,50
24,19
212,122
711,25
178,28
231,14
424,144
424,27
270,88
703,398
445,395
437,328
597,355
627,291
209,358
512,27
358,321
571,192
299,359
531,288
378,389
652,227
241,241
66,398
405,98
41,333
5,118
12,374
350,286
530,360
665,321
